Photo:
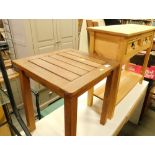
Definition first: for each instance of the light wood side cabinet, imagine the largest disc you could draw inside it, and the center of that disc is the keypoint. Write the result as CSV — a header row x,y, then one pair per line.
x,y
120,43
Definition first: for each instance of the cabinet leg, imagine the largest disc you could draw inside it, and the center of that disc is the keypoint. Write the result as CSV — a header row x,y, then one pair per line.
x,y
70,112
126,65
146,59
27,100
90,97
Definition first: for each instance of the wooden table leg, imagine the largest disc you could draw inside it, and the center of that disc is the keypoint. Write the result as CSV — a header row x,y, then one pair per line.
x,y
146,59
127,64
110,95
90,97
70,112
27,99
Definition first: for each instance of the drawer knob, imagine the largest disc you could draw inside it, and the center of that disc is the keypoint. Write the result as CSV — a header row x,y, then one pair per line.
x,y
146,40
133,45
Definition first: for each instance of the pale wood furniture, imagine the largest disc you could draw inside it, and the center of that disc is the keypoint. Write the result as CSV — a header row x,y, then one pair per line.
x,y
69,74
120,43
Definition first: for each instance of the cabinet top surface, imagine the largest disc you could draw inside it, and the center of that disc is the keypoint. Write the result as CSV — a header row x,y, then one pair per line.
x,y
67,71
124,29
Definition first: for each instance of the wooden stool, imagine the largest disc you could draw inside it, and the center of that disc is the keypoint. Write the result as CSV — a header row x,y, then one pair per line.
x,y
68,73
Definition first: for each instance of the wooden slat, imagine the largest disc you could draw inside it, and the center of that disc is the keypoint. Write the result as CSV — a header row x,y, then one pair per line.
x,y
127,82
46,78
44,74
81,60
80,85
82,55
63,65
54,69
72,62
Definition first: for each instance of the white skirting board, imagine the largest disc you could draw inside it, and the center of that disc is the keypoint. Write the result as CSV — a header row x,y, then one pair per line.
x,y
89,117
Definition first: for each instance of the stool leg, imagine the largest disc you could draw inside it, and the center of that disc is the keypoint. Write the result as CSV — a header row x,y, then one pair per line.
x,y
70,112
27,100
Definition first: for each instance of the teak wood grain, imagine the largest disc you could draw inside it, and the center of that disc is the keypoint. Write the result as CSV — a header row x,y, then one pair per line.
x,y
27,98
55,69
72,62
66,66
68,73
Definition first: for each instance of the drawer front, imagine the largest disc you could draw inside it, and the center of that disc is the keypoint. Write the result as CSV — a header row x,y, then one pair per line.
x,y
146,42
133,46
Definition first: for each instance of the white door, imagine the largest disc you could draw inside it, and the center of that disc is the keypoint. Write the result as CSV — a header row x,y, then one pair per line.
x,y
67,33
43,35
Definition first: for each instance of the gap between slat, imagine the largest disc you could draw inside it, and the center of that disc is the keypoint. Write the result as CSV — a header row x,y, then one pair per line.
x,y
73,69
54,69
72,62
78,59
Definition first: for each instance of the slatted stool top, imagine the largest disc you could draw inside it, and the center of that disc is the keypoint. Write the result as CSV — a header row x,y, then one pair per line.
x,y
65,71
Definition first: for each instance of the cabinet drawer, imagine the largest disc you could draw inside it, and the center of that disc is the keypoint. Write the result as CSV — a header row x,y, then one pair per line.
x,y
146,42
133,46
